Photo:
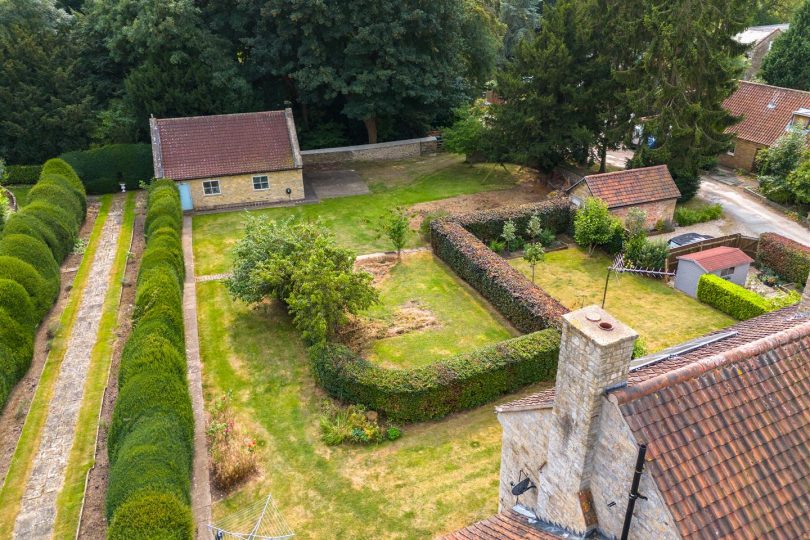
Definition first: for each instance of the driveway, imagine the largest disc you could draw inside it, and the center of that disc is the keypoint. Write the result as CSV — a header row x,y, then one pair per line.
x,y
751,216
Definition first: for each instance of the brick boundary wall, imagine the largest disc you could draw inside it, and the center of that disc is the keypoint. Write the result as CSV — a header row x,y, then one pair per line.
x,y
404,149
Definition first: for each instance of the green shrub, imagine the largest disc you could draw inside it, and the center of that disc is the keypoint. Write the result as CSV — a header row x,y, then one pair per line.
x,y
165,321
22,174
16,350
789,259
103,169
156,257
151,353
55,194
41,295
28,225
730,298
685,216
640,252
33,251
64,183
157,287
15,300
61,167
459,383
59,222
554,214
152,516
149,394
166,211
151,458
525,305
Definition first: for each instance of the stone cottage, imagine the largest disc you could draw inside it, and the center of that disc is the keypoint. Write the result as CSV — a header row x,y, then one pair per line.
x,y
767,113
650,189
229,160
726,262
759,40
708,439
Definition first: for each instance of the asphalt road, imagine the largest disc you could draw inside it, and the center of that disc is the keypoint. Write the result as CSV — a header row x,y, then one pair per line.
x,y
752,216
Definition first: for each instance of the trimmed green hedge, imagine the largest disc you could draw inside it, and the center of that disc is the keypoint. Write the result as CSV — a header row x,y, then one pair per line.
x,y
24,175
730,298
789,259
556,214
152,516
104,168
32,244
459,383
150,442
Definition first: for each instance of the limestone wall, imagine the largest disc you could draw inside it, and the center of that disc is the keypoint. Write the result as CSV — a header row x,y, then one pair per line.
x,y
524,446
238,190
393,150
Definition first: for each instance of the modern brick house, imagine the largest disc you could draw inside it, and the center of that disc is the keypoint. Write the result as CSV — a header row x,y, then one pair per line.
x,y
650,189
720,425
726,262
229,160
767,113
759,40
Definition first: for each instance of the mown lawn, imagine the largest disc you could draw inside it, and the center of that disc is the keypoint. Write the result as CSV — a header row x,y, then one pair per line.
x,y
440,476
465,320
661,315
354,220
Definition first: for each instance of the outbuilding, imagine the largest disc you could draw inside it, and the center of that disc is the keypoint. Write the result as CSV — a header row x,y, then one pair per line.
x,y
727,262
230,160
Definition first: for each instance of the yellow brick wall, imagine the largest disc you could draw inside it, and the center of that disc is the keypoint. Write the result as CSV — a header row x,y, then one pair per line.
x,y
745,153
236,190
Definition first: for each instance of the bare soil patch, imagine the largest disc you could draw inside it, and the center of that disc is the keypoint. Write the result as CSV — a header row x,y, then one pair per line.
x,y
93,523
13,415
360,332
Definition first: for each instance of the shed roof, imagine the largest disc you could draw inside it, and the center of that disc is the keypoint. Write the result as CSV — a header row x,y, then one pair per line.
x,y
633,186
766,110
224,145
718,258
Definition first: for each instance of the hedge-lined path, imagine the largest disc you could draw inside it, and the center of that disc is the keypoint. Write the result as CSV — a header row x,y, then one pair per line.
x,y
200,481
37,512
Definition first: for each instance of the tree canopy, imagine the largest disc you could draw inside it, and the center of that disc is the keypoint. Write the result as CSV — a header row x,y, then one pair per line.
x,y
788,63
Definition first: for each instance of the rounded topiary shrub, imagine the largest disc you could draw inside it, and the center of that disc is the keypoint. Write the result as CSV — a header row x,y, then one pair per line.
x,y
33,251
151,353
163,321
59,221
34,284
146,395
152,516
157,287
61,167
18,346
21,223
163,222
151,458
53,193
15,300
155,256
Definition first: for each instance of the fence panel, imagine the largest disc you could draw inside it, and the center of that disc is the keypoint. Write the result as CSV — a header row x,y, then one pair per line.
x,y
745,243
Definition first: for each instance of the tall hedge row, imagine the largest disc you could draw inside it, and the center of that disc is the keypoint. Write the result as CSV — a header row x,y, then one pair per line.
x,y
150,442
730,298
789,259
458,242
103,169
459,383
22,174
32,244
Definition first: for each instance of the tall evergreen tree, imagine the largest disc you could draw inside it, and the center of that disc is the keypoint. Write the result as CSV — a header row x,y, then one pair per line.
x,y
681,80
788,63
521,18
44,107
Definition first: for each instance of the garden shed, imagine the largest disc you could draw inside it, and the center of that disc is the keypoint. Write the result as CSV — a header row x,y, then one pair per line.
x,y
230,160
727,262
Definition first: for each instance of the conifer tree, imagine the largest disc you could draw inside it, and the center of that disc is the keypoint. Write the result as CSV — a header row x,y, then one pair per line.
x,y
788,63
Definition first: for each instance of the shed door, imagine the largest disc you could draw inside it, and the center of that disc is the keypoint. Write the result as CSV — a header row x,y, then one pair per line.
x,y
185,197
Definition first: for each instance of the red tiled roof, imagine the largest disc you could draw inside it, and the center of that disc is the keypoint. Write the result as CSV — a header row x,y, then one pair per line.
x,y
633,186
762,124
223,145
744,332
728,438
718,258
506,526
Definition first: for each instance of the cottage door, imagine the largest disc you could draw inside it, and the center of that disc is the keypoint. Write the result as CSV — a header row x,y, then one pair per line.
x,y
185,197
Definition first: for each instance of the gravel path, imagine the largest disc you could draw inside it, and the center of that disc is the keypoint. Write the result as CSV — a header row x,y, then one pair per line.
x,y
38,506
200,482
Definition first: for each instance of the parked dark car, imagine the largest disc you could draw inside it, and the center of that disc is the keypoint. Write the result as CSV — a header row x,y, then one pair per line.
x,y
686,239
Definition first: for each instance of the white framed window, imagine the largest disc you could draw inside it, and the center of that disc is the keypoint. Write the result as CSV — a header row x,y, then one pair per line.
x,y
726,273
211,187
260,183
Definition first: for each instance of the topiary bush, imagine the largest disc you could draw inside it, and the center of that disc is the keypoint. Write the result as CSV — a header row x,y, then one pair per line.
x,y
16,350
33,251
459,383
730,298
165,255
59,221
789,259
28,225
152,516
39,292
55,189
103,169
151,353
23,175
60,167
15,300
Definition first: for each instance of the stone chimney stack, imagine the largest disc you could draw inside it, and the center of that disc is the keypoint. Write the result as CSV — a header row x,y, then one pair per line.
x,y
595,355
804,304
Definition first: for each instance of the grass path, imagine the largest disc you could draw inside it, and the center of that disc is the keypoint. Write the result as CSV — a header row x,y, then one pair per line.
x,y
82,454
439,477
12,490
